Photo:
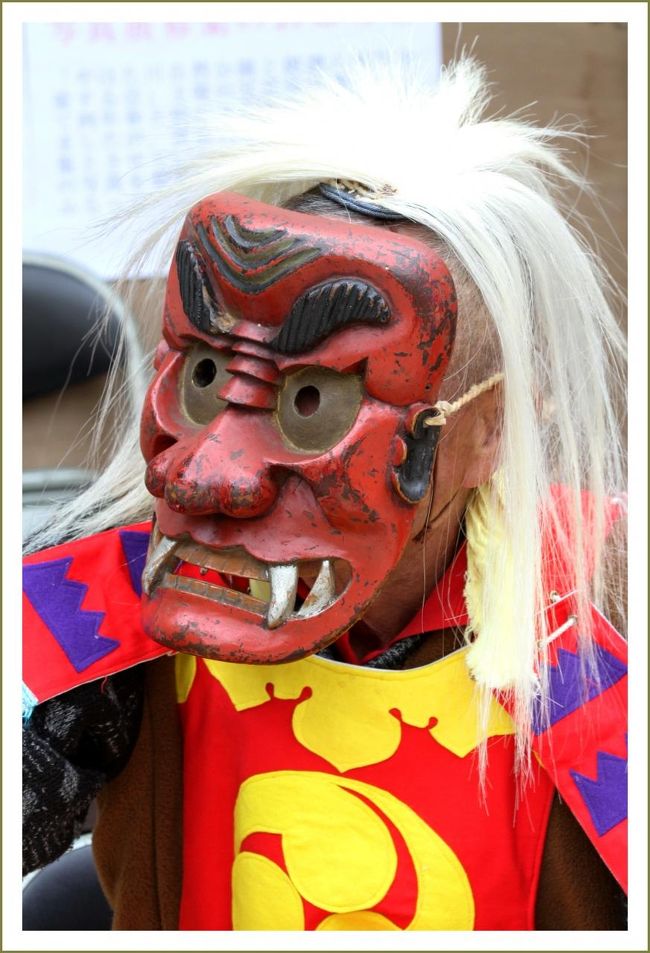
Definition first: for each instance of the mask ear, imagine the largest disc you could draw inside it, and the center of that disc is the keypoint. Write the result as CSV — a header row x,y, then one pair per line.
x,y
412,478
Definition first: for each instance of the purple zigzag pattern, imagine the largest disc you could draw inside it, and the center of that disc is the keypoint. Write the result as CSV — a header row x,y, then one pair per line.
x,y
571,685
135,544
58,602
606,797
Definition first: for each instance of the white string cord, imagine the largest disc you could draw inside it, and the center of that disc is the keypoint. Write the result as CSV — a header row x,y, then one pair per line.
x,y
443,409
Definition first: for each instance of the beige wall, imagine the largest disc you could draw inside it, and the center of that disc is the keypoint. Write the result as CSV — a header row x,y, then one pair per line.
x,y
568,69
573,70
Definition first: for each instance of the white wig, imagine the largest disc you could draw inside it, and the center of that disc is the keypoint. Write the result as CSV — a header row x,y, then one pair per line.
x,y
491,193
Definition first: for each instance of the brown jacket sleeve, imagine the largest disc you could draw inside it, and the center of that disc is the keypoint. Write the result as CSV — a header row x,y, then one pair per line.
x,y
576,891
137,840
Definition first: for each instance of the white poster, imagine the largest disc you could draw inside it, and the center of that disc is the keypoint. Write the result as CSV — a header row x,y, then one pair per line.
x,y
104,101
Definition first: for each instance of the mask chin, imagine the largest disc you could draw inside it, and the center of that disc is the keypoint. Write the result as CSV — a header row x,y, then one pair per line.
x,y
232,627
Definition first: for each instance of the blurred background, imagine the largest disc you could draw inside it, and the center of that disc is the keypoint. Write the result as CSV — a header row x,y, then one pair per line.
x,y
104,102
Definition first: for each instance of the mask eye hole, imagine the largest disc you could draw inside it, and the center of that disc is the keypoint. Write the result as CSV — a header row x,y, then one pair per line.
x,y
316,408
307,401
204,372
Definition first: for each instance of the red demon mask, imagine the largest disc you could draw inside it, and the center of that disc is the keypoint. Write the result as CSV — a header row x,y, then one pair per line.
x,y
284,429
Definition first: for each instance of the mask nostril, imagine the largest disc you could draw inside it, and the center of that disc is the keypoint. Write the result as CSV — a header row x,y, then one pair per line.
x,y
204,372
307,401
161,443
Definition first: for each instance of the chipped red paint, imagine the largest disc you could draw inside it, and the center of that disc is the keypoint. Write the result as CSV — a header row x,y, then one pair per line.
x,y
236,482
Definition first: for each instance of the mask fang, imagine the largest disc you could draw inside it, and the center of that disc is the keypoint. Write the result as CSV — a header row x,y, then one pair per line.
x,y
284,585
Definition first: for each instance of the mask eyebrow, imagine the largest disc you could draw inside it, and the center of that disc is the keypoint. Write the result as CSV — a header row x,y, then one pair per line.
x,y
198,303
326,308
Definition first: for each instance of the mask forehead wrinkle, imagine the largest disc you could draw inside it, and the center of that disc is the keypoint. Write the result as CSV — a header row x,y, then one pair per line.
x,y
253,272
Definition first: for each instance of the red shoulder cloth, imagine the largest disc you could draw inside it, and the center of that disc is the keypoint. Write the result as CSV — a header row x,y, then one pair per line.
x,y
81,611
580,737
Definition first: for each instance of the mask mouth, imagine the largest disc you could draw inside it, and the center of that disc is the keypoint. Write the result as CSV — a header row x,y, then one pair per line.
x,y
278,593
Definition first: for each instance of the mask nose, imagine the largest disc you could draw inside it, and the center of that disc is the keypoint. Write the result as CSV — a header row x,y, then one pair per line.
x,y
217,474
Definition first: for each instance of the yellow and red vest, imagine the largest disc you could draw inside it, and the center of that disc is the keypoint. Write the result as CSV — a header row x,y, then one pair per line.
x,y
325,796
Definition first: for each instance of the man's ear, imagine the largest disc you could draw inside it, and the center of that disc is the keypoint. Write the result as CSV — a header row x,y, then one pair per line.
x,y
483,424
